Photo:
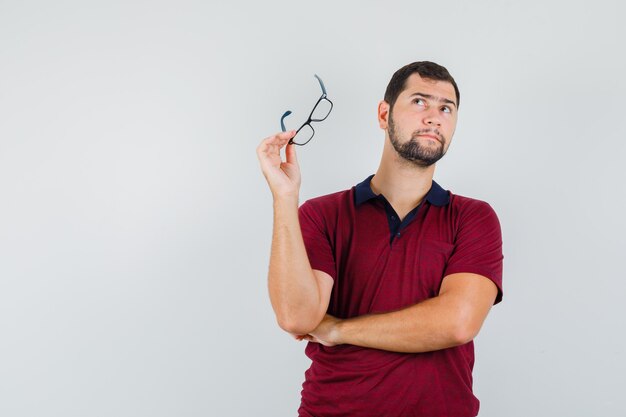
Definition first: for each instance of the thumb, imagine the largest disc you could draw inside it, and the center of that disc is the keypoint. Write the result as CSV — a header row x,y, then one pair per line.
x,y
290,154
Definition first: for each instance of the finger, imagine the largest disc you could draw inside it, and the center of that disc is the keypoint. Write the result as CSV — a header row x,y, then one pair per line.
x,y
273,144
280,137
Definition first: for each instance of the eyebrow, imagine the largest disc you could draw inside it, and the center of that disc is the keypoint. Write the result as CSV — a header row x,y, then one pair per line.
x,y
439,99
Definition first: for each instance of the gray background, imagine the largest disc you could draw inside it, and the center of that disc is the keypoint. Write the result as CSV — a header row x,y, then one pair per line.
x,y
135,223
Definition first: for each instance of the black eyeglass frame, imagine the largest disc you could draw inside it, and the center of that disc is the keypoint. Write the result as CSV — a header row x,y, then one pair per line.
x,y
310,118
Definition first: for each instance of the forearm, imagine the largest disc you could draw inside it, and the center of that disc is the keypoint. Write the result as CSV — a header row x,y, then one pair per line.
x,y
430,325
294,292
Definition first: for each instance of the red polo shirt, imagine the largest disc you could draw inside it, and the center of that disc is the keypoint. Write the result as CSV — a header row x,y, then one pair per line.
x,y
379,264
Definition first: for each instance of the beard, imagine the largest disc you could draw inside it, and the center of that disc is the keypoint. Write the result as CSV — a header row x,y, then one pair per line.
x,y
414,151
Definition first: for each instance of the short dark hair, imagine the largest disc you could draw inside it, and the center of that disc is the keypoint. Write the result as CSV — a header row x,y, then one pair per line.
x,y
425,69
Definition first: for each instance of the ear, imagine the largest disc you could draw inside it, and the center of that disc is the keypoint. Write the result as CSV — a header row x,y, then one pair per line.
x,y
383,114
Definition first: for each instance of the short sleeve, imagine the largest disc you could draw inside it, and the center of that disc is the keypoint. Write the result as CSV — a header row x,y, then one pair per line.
x,y
478,245
316,239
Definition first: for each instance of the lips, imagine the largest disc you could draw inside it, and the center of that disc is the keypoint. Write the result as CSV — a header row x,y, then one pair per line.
x,y
431,136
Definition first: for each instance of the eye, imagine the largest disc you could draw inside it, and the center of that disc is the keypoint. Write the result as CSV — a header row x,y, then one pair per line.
x,y
418,99
447,109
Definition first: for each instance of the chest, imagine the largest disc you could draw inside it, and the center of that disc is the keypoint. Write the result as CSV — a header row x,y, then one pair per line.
x,y
379,272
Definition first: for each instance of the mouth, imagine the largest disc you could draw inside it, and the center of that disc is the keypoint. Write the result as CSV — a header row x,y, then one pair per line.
x,y
431,137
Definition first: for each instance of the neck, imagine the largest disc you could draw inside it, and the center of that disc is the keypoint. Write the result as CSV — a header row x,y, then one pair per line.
x,y
401,182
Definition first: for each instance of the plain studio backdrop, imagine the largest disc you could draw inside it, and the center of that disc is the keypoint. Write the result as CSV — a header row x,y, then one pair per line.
x,y
135,223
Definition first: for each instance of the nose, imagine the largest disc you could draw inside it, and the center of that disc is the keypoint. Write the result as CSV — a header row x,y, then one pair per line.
x,y
432,119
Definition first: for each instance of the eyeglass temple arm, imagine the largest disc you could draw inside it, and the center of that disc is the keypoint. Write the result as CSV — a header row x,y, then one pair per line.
x,y
282,120
288,112
321,83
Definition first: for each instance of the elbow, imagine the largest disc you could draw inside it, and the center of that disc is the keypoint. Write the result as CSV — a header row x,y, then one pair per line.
x,y
295,325
464,330
462,335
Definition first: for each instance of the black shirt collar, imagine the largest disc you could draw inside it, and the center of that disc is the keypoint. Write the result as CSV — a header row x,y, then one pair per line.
x,y
436,195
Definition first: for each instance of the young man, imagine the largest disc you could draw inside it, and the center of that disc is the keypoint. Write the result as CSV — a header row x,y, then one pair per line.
x,y
391,280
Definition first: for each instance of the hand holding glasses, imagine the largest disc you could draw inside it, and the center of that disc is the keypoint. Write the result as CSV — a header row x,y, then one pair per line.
x,y
320,112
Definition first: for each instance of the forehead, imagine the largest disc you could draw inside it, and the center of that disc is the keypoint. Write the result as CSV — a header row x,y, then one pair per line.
x,y
415,83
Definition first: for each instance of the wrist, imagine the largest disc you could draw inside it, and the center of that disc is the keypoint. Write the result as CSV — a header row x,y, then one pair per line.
x,y
286,199
338,332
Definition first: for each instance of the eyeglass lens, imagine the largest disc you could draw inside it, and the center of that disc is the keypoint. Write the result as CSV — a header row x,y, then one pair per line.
x,y
304,135
321,111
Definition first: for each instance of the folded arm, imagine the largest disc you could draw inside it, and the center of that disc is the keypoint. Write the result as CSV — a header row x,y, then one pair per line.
x,y
452,318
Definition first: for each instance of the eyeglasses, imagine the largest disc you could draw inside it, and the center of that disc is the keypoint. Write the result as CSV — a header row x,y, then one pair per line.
x,y
320,112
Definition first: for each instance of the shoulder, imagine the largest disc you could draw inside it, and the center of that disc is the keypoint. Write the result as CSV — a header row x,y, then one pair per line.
x,y
461,204
329,202
468,210
326,210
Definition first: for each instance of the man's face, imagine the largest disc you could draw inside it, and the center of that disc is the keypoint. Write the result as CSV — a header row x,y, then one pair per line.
x,y
425,107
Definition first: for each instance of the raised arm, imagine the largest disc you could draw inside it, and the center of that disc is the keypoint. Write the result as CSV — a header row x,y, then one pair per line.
x,y
299,294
